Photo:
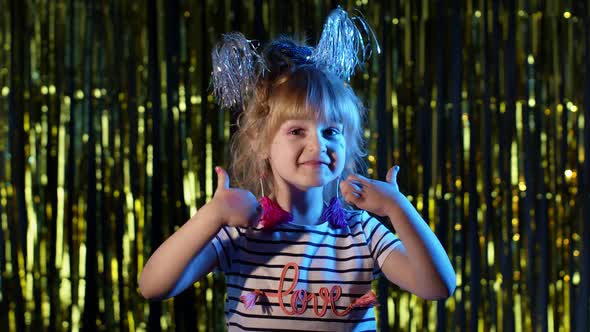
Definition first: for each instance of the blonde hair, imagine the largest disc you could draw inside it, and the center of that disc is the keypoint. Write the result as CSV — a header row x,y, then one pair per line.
x,y
299,91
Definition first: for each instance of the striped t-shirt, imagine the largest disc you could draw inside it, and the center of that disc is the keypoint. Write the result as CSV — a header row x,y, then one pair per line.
x,y
325,257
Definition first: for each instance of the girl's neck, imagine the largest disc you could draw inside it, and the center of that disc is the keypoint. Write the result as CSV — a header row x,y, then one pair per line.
x,y
305,206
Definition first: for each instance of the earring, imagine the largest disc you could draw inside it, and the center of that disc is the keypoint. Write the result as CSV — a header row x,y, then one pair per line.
x,y
272,213
334,212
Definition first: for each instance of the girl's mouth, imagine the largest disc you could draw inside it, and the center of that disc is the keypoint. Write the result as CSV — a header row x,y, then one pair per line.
x,y
314,163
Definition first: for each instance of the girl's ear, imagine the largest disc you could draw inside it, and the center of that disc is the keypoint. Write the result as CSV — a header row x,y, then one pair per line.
x,y
256,144
262,150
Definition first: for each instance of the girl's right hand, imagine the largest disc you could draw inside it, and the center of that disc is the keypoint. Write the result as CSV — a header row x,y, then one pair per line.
x,y
237,207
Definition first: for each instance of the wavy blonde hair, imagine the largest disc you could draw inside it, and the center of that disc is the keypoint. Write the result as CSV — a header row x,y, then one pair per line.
x,y
294,91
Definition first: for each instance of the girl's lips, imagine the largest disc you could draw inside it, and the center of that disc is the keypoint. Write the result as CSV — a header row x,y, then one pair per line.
x,y
314,163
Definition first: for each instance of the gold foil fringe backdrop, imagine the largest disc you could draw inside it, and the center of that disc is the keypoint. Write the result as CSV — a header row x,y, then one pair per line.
x,y
109,134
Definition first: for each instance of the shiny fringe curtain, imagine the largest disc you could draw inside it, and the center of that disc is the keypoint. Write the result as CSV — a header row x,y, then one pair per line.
x,y
109,135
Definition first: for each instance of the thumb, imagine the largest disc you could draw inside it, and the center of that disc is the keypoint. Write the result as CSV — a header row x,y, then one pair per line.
x,y
392,174
222,179
389,174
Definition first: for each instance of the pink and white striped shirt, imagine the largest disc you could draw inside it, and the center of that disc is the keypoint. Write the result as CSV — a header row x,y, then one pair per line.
x,y
321,269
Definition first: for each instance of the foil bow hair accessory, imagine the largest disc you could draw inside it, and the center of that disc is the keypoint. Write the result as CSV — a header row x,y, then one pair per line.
x,y
342,41
237,65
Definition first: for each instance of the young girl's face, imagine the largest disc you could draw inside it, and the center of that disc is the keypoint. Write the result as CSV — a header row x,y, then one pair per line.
x,y
306,153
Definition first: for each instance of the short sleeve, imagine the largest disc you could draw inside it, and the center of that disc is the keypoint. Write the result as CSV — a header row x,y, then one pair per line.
x,y
226,245
380,239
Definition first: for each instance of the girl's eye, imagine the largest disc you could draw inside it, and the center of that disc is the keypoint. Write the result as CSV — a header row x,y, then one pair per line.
x,y
332,131
296,131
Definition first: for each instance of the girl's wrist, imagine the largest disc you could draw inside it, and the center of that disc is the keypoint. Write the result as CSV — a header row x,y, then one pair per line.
x,y
395,204
213,213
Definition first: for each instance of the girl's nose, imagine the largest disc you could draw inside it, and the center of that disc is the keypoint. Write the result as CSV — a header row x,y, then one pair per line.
x,y
317,142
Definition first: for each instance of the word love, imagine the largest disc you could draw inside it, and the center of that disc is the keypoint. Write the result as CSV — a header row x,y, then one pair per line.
x,y
300,299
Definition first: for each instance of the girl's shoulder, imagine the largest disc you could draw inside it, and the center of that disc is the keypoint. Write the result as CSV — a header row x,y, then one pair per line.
x,y
363,221
358,218
358,213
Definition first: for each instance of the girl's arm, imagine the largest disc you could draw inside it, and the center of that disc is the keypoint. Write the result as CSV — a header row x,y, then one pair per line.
x,y
184,257
188,255
421,264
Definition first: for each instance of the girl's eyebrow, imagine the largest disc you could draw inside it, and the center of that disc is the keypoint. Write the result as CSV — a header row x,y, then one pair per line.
x,y
294,122
334,124
305,122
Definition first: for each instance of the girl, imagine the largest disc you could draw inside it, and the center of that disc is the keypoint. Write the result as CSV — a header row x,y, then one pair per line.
x,y
298,255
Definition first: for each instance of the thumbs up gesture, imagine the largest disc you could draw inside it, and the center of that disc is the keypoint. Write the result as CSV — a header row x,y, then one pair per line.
x,y
236,207
375,196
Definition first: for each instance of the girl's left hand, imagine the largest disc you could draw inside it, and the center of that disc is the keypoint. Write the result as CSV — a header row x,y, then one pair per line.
x,y
374,196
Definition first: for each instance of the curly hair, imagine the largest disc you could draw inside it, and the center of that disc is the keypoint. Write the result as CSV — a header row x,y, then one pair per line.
x,y
292,87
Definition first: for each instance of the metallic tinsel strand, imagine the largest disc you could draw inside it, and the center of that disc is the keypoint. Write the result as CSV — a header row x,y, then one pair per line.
x,y
235,69
341,42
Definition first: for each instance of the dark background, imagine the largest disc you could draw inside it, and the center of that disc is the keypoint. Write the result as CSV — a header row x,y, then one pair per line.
x,y
109,134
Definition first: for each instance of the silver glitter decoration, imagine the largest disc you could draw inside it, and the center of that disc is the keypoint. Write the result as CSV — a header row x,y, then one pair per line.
x,y
345,43
236,65
342,45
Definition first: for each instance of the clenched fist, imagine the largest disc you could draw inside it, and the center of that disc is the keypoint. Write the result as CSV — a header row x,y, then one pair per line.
x,y
236,207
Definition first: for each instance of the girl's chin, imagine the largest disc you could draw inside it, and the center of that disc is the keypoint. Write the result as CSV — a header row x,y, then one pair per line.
x,y
313,184
307,181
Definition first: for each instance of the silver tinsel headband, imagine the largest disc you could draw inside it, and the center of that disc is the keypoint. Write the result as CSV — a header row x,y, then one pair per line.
x,y
237,65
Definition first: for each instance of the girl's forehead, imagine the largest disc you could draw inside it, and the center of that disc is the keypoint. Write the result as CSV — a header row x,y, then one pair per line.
x,y
309,120
309,112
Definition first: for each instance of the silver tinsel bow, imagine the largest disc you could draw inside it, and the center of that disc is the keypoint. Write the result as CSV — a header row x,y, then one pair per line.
x,y
342,45
236,65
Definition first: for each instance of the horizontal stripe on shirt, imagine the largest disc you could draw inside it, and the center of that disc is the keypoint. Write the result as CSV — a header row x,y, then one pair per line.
x,y
303,243
266,330
304,268
333,282
347,320
288,254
